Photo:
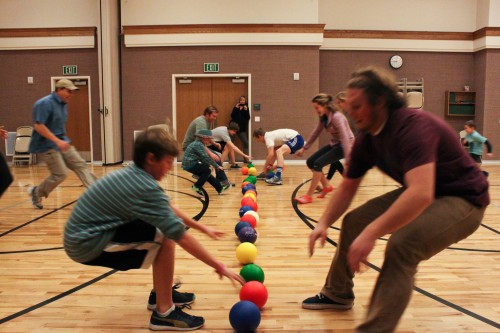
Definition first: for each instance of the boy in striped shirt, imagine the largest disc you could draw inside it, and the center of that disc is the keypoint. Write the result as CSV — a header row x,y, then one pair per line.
x,y
125,221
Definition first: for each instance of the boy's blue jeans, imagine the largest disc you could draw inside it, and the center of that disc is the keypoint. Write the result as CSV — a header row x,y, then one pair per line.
x,y
205,174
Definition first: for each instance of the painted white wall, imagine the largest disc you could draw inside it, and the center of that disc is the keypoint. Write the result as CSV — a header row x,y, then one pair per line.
x,y
158,12
406,15
494,13
48,14
482,15
428,15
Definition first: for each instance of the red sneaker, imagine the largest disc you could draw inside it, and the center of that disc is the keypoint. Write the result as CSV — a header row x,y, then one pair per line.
x,y
305,199
325,192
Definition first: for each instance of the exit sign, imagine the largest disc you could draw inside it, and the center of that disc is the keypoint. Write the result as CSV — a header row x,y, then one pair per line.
x,y
211,67
70,70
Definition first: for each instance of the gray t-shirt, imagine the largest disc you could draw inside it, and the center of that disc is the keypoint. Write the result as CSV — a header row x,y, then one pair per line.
x,y
197,124
221,134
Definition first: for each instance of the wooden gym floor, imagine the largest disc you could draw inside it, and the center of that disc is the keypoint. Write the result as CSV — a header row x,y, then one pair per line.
x,y
42,290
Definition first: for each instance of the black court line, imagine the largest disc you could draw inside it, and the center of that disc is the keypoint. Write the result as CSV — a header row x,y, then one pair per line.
x,y
197,217
55,298
386,239
88,283
36,250
490,228
205,202
474,315
36,219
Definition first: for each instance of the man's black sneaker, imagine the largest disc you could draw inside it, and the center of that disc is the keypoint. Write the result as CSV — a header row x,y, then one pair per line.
x,y
177,320
228,183
261,176
321,302
235,166
177,297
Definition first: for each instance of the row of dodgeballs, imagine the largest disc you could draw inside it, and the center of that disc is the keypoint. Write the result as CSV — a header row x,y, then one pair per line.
x,y
245,315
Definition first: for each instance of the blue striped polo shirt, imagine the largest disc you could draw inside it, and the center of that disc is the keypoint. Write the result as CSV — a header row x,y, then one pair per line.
x,y
119,198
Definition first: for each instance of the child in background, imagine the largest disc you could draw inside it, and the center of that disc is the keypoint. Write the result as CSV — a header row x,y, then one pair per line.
x,y
197,161
475,142
125,221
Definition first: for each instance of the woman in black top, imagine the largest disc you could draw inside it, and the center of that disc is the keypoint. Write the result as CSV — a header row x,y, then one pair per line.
x,y
241,116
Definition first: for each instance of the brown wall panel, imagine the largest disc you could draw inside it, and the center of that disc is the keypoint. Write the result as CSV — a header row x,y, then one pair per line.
x,y
17,96
489,102
440,71
285,103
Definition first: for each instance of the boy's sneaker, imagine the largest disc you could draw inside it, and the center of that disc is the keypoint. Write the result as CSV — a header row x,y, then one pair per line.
x,y
274,181
35,198
261,176
177,320
235,166
198,190
225,187
228,183
321,302
195,176
178,298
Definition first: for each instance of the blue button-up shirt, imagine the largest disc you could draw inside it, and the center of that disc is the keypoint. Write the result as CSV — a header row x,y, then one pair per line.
x,y
52,112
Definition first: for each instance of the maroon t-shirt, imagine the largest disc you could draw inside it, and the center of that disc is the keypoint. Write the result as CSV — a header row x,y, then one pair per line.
x,y
411,138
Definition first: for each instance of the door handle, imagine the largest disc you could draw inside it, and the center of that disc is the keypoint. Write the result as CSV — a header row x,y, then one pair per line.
x,y
103,111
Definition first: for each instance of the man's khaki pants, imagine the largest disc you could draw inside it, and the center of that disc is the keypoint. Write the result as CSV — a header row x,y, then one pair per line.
x,y
446,221
58,163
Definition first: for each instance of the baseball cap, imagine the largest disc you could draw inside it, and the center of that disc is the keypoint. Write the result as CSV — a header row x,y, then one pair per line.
x,y
65,83
204,133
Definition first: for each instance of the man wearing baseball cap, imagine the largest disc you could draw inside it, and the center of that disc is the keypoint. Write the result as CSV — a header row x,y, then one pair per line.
x,y
197,161
50,142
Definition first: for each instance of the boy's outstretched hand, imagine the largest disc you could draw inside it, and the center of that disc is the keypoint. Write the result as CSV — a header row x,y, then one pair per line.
x,y
214,234
232,276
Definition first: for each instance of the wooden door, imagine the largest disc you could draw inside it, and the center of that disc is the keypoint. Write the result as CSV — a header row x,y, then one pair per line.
x,y
193,96
78,125
196,93
225,95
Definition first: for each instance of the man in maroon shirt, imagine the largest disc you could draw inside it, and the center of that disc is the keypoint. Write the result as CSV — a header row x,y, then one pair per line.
x,y
442,199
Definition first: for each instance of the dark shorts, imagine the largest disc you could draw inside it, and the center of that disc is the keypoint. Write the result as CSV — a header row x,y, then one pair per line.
x,y
476,158
133,246
222,146
296,143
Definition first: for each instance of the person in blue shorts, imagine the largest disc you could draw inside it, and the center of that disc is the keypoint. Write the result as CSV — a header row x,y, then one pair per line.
x,y
279,143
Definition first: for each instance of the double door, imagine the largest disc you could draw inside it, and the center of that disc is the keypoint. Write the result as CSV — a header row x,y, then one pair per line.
x,y
194,94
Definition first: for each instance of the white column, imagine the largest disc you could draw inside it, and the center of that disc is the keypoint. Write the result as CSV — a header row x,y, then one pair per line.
x,y
108,38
